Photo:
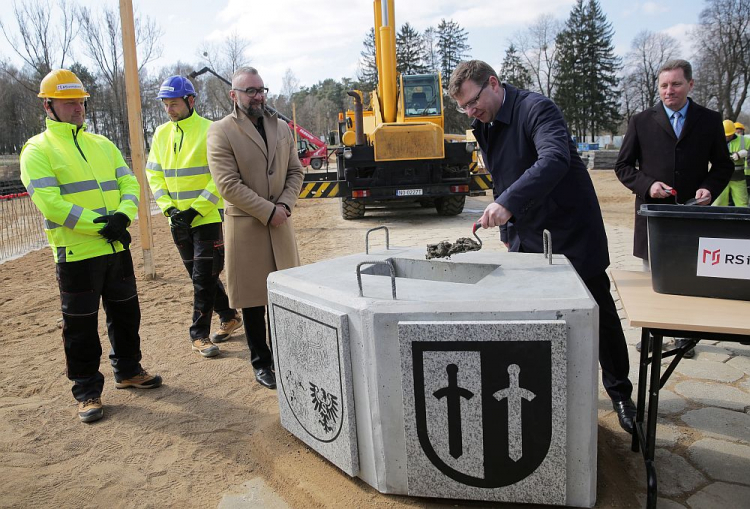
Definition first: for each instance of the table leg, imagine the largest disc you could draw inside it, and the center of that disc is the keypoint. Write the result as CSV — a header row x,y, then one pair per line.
x,y
653,409
642,376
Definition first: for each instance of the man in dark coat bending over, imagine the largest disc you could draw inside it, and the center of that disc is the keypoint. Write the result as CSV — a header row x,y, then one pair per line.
x,y
541,183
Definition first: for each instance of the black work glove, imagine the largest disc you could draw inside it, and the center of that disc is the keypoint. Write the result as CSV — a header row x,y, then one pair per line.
x,y
116,225
125,240
184,218
171,211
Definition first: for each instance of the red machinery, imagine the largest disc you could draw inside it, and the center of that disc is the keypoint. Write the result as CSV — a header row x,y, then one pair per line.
x,y
311,150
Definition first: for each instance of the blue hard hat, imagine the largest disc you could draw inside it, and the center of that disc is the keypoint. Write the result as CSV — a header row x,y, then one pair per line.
x,y
175,86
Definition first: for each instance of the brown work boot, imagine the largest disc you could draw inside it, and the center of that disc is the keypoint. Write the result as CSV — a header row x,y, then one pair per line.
x,y
226,329
140,381
90,410
204,347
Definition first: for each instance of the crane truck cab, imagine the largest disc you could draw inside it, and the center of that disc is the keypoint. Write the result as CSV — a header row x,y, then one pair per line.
x,y
396,150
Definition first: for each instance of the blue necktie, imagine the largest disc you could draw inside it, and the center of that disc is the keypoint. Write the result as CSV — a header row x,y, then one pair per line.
x,y
677,123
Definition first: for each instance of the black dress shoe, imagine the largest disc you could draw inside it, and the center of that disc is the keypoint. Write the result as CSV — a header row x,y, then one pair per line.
x,y
265,377
689,354
625,414
651,346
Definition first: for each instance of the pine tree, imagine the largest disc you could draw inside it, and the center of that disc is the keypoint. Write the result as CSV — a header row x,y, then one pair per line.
x,y
368,67
452,47
587,90
513,71
410,51
570,44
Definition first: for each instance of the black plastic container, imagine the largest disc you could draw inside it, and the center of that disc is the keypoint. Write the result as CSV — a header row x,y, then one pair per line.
x,y
693,251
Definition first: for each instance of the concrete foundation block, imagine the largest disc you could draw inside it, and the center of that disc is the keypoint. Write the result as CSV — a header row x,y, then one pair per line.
x,y
493,356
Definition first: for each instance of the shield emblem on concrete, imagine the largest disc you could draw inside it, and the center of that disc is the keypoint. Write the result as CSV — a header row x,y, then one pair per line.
x,y
483,409
313,373
309,372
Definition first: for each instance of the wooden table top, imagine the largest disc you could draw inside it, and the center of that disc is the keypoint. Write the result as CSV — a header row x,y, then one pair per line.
x,y
646,308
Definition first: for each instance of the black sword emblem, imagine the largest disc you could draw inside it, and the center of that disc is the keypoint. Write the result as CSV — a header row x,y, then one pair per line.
x,y
453,394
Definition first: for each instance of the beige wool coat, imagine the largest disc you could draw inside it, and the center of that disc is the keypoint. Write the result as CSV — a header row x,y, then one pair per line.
x,y
252,179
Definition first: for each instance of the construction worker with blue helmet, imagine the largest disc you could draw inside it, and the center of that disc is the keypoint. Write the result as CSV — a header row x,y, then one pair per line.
x,y
88,197
176,87
178,175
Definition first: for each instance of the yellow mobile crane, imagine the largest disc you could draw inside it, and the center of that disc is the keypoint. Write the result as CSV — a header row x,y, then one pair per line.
x,y
396,149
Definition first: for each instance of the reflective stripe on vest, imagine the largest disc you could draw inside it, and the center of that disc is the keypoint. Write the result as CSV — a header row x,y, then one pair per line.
x,y
75,177
178,172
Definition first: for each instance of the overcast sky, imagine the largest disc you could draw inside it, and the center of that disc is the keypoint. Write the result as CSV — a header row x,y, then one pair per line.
x,y
323,39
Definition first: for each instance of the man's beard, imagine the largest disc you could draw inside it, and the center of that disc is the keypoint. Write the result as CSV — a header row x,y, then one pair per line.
x,y
254,111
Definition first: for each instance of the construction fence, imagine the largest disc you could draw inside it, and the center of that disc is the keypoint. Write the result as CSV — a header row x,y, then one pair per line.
x,y
21,223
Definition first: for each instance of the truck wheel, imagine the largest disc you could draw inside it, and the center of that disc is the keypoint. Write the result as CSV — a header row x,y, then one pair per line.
x,y
316,164
450,205
352,209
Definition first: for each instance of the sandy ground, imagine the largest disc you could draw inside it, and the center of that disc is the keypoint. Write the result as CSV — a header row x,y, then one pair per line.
x,y
210,428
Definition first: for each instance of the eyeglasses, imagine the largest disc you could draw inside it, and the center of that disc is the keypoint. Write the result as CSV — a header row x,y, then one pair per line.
x,y
252,91
469,105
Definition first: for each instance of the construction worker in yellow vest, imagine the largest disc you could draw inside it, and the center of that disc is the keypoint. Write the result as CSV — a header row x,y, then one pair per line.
x,y
178,175
740,131
737,187
88,196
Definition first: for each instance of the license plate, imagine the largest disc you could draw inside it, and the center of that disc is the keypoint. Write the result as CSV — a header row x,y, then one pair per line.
x,y
408,192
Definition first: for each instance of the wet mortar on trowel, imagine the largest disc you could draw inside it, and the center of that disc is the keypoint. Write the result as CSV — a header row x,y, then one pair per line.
x,y
445,249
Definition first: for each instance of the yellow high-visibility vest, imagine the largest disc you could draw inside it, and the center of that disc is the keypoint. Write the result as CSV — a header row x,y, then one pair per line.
x,y
73,177
177,170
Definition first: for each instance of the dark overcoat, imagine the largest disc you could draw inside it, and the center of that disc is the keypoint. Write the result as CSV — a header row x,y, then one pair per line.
x,y
539,177
651,152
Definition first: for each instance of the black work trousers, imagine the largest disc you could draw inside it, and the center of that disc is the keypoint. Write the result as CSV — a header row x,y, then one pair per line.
x,y
82,284
202,252
258,336
613,350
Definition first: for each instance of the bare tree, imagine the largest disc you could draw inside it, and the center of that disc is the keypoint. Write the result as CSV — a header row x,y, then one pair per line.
x,y
648,52
723,36
223,58
235,47
227,56
536,45
21,113
432,55
631,103
289,84
42,47
103,45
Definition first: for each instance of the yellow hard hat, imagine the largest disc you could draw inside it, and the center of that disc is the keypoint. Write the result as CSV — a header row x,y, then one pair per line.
x,y
738,125
729,128
62,84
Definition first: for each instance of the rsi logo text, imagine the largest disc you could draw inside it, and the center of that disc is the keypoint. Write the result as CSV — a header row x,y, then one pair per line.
x,y
714,257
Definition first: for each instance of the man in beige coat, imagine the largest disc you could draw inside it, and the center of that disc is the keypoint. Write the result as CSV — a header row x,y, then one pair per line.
x,y
253,160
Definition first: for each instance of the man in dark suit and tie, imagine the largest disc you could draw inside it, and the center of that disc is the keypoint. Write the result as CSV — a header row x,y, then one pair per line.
x,y
676,146
541,183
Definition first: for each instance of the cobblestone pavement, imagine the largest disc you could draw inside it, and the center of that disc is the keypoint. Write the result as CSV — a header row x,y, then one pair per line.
x,y
703,427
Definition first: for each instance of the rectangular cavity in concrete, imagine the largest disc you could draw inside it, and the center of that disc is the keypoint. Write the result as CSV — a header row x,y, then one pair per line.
x,y
466,273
